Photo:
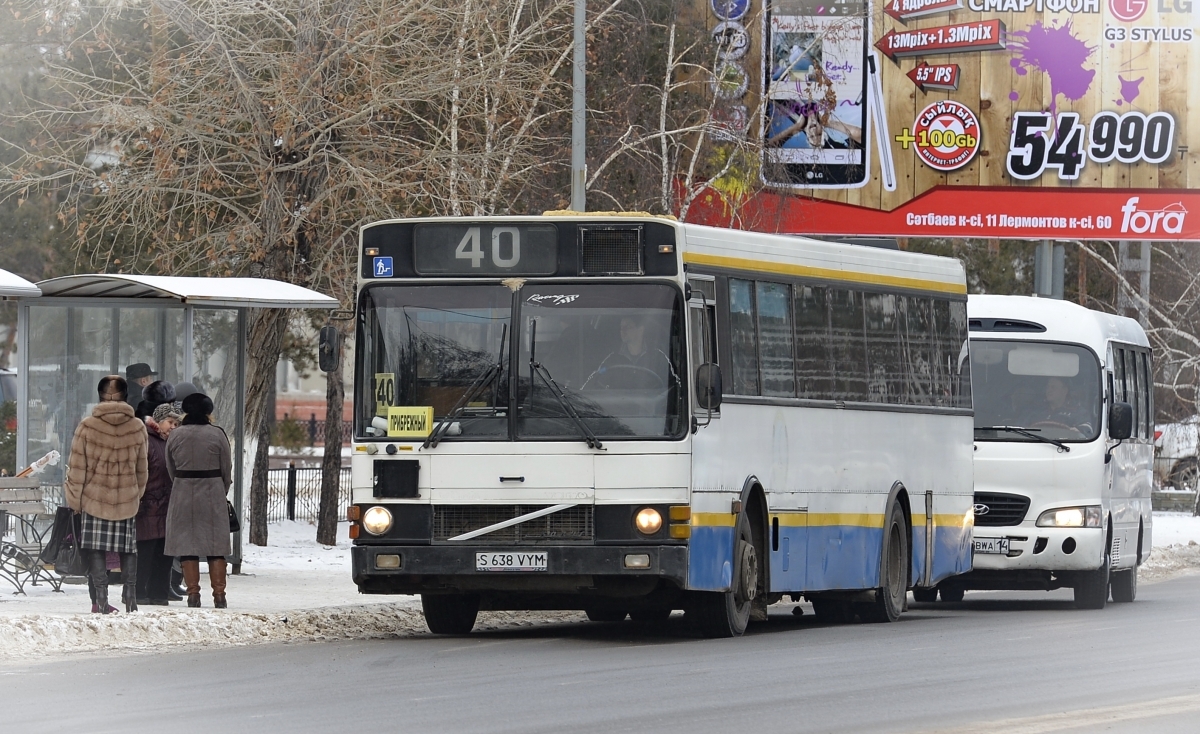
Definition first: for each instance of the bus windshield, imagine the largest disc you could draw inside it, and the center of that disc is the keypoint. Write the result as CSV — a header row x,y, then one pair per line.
x,y
1049,390
609,352
613,350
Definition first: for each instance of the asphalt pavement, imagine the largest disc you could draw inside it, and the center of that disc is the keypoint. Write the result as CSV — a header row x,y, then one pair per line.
x,y
1012,662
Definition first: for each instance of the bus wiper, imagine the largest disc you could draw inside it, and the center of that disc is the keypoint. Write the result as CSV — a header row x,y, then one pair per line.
x,y
1027,432
481,382
556,390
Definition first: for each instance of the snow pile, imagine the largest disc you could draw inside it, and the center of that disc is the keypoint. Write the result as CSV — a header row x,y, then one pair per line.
x,y
35,634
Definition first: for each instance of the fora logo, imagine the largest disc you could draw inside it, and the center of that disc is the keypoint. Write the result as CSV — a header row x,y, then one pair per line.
x,y
1143,221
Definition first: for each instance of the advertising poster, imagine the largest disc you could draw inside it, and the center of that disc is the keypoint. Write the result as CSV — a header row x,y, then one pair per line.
x,y
1061,119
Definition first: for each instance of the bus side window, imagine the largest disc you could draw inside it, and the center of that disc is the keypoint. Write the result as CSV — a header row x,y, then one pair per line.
x,y
743,340
920,354
814,370
1118,370
1133,388
886,371
847,344
775,339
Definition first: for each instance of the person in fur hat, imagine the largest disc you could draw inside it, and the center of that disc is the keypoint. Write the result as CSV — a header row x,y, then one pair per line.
x,y
154,395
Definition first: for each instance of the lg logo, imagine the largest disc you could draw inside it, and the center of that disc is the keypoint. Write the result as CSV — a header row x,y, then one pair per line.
x,y
1130,10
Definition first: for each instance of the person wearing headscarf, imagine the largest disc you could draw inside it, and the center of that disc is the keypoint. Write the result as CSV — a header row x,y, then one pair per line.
x,y
106,477
200,463
154,568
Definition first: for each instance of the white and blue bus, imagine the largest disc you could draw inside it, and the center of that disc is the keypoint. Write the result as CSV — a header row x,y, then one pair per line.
x,y
630,416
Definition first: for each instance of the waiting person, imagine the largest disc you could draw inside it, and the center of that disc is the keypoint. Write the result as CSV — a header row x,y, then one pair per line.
x,y
106,476
154,568
154,395
137,376
199,461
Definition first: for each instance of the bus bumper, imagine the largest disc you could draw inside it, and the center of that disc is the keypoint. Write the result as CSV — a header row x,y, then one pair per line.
x,y
604,570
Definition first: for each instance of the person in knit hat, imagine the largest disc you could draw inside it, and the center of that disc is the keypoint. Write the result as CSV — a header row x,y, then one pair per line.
x,y
154,568
105,479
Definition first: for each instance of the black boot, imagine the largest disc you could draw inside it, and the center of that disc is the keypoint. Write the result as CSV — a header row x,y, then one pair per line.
x,y
98,573
129,581
176,592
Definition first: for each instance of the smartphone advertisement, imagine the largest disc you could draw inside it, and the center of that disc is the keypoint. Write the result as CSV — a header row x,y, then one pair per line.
x,y
1071,119
815,102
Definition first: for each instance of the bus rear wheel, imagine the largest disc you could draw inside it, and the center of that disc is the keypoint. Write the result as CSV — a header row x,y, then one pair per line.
x,y
727,613
450,614
893,572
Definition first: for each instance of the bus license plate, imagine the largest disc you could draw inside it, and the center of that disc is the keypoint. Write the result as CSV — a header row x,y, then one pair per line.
x,y
991,545
526,561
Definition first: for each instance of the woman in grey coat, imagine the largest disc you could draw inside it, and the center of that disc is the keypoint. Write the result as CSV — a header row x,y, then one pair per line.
x,y
199,462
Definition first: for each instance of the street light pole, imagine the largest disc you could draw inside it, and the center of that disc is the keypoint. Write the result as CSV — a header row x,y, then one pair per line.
x,y
579,112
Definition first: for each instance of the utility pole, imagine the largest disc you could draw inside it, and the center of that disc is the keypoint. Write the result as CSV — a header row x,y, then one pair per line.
x,y
1135,269
579,112
1049,263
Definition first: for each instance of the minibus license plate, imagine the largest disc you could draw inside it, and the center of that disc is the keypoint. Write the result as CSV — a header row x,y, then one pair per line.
x,y
525,561
991,545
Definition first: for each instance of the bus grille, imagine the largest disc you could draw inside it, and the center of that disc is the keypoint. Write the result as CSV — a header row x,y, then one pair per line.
x,y
571,524
1002,509
610,250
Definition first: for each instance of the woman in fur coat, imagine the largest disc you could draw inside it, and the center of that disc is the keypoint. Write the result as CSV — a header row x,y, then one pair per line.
x,y
106,476
199,461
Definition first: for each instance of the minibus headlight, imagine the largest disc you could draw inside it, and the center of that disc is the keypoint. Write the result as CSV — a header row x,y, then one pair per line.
x,y
648,521
377,520
1071,517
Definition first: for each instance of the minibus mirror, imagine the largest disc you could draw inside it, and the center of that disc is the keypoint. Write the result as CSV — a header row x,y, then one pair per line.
x,y
708,386
329,349
1120,421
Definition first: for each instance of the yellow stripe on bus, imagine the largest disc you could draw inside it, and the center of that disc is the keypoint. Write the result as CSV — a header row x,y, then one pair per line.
x,y
714,519
854,519
805,271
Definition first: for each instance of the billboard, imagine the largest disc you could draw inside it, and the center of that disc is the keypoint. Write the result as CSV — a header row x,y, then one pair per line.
x,y
1063,119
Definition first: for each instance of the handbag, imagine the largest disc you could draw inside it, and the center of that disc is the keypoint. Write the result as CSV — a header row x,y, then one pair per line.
x,y
235,525
63,548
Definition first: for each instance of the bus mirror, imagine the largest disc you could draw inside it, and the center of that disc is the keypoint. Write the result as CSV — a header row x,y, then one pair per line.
x,y
1120,421
708,386
329,349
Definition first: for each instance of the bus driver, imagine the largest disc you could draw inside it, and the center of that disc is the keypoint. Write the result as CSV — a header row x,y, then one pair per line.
x,y
633,366
1060,412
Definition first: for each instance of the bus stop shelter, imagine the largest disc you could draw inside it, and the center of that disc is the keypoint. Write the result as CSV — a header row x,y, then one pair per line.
x,y
13,286
84,327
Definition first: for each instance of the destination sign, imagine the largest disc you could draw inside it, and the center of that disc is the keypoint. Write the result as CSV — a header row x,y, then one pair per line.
x,y
485,249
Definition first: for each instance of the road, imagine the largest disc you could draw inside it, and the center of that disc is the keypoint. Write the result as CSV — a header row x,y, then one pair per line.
x,y
1017,663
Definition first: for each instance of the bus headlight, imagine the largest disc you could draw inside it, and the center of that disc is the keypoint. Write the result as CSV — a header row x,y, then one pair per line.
x,y
1071,517
377,520
648,521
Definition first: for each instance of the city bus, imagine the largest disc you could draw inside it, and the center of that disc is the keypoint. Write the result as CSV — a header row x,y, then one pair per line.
x,y
631,416
1064,429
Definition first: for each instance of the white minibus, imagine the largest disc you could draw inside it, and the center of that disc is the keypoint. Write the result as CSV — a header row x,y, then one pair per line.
x,y
1064,431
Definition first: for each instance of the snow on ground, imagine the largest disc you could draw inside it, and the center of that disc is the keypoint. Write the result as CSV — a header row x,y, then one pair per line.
x,y
295,589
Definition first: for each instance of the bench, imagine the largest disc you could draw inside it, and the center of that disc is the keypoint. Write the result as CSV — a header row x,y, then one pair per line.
x,y
23,523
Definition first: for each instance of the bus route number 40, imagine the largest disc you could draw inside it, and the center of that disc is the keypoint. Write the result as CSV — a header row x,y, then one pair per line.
x,y
470,249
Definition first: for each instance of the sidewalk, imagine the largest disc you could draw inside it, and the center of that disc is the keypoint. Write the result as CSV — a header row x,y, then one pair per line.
x,y
296,590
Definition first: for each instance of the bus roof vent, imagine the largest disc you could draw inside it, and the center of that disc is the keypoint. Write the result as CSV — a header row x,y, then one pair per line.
x,y
610,250
1009,325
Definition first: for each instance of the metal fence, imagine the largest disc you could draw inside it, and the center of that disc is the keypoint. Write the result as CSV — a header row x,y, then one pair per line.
x,y
295,494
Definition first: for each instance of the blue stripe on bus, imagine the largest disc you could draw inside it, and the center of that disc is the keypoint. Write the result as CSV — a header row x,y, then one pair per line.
x,y
823,557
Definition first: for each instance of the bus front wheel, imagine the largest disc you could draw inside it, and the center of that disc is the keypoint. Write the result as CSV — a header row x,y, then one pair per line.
x,y
1091,590
450,614
727,613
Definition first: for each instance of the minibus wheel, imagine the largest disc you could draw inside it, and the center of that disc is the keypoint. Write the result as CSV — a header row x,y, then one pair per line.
x,y
1091,587
450,614
650,616
951,593
1124,585
924,595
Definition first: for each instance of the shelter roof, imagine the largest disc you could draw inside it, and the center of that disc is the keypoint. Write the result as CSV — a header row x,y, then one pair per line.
x,y
14,286
221,292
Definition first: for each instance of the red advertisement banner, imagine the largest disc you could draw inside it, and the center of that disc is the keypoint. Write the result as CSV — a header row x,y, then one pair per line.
x,y
959,211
